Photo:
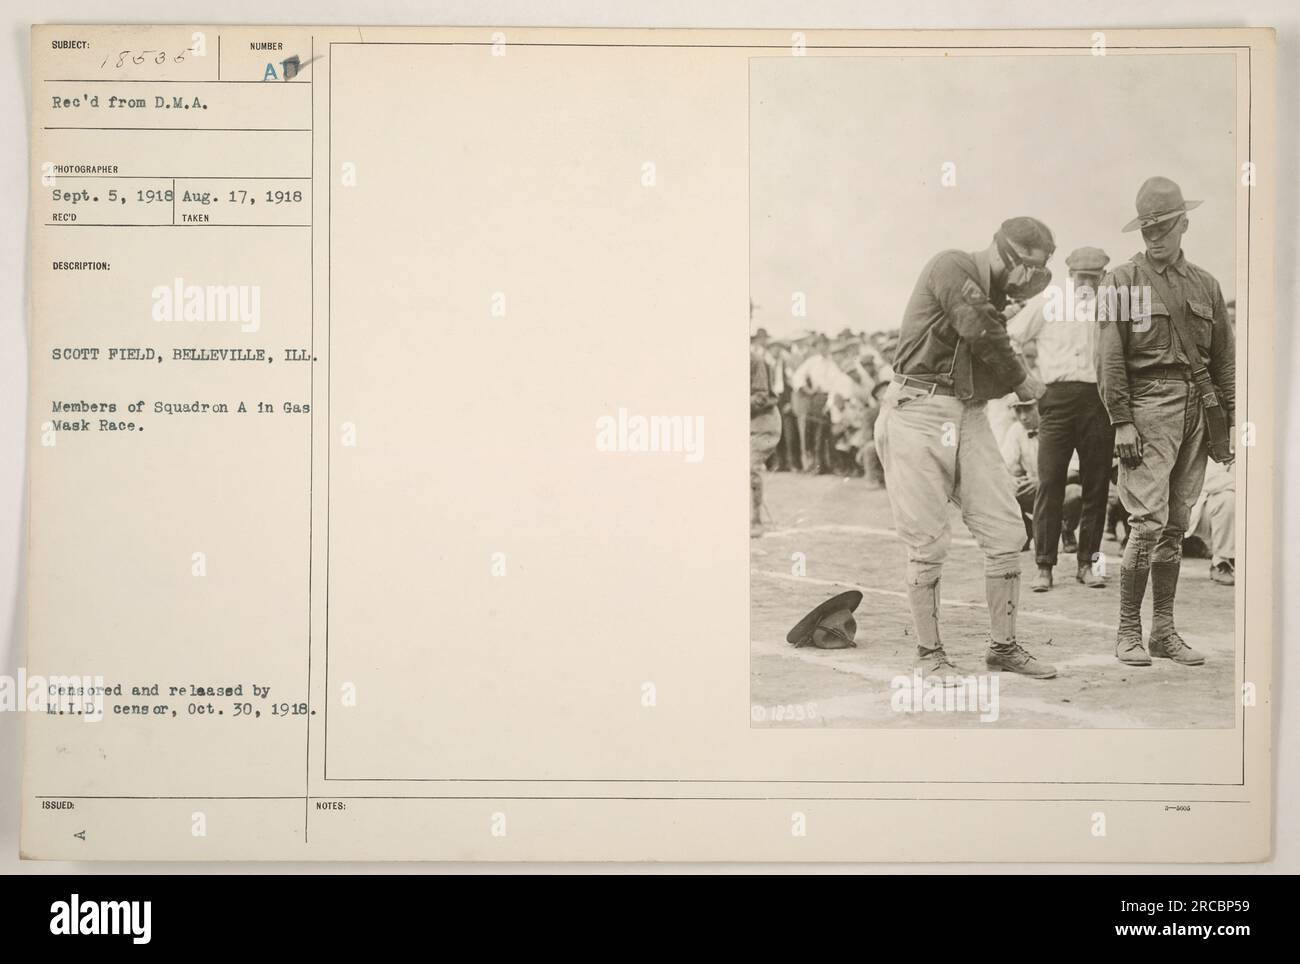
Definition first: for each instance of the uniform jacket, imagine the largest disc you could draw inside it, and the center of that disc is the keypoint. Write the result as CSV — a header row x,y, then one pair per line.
x,y
1129,343
953,332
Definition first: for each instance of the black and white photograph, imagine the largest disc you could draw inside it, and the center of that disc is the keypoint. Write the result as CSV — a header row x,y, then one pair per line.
x,y
993,434
375,451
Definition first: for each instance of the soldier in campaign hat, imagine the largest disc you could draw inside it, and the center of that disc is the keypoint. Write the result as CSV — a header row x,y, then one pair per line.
x,y
1149,357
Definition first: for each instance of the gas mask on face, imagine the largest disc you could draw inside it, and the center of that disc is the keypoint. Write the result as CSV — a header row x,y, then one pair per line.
x,y
1023,280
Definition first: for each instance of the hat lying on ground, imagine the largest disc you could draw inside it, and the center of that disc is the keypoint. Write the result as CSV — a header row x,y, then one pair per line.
x,y
830,625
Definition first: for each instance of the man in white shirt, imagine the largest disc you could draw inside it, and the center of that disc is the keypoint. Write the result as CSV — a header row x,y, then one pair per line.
x,y
818,379
1061,325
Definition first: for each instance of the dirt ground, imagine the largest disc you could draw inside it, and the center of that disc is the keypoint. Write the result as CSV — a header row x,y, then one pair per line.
x,y
841,532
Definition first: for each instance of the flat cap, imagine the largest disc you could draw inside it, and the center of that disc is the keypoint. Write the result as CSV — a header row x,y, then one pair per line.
x,y
1087,259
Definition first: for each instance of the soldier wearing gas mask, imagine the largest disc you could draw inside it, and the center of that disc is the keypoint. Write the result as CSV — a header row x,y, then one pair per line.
x,y
934,440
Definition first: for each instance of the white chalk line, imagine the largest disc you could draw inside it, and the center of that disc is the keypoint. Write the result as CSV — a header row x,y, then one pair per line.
x,y
852,530
1106,628
879,699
